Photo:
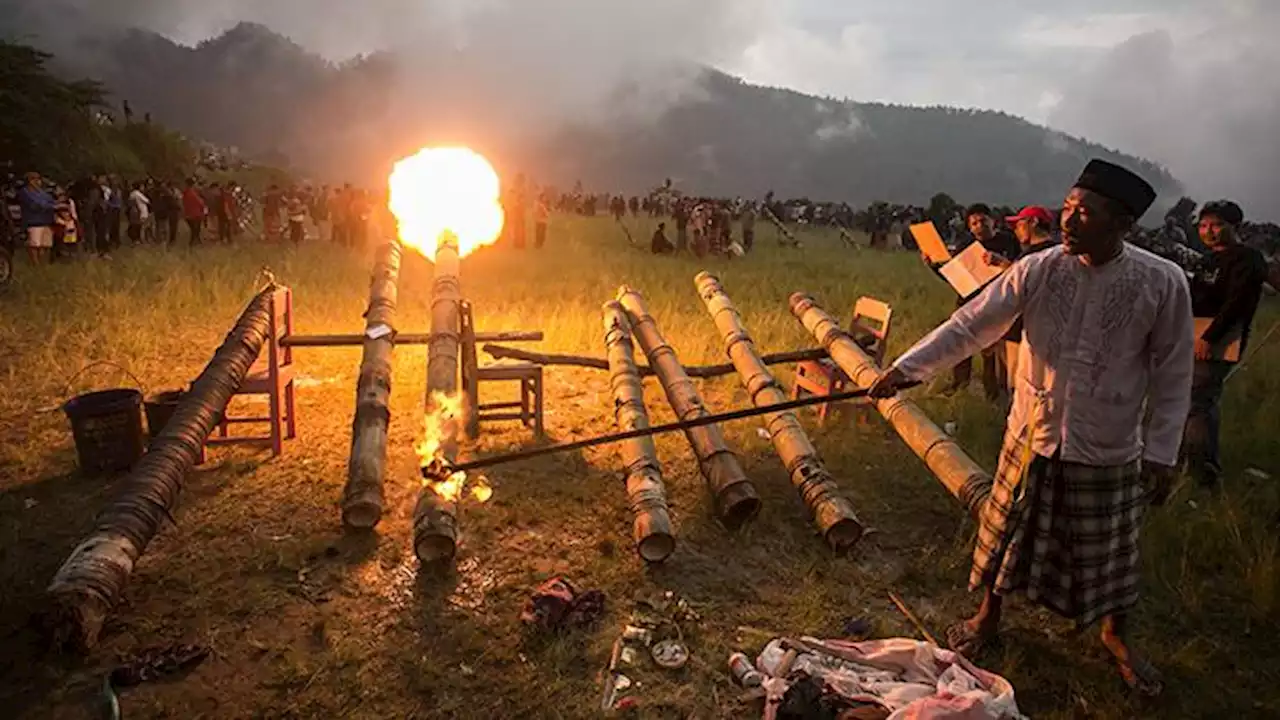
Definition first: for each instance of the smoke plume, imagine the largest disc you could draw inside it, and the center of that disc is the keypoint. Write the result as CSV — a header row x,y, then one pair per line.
x,y
1206,104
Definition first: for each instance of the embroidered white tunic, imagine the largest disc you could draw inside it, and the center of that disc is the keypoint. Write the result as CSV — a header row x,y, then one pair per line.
x,y
1101,346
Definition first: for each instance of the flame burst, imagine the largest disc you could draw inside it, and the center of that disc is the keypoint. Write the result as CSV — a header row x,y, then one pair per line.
x,y
440,426
446,189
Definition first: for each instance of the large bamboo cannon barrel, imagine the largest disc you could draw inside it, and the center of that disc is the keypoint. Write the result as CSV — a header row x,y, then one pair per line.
x,y
962,477
646,493
832,513
362,497
736,501
91,580
435,531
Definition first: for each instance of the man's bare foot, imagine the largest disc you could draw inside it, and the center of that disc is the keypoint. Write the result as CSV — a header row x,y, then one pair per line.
x,y
1136,671
971,637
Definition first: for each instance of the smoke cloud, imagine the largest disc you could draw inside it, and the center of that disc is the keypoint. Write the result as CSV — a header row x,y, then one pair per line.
x,y
1206,103
561,59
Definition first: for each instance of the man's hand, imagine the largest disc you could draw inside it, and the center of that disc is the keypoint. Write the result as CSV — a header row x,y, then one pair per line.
x,y
995,259
1158,479
1204,351
888,383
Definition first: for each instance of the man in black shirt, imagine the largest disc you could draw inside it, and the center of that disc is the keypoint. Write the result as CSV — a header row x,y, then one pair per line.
x,y
1002,249
1225,291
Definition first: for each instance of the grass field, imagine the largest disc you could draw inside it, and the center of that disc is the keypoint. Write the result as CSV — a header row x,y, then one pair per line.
x,y
307,623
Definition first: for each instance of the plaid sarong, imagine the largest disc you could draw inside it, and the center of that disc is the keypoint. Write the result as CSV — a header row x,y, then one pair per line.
x,y
1066,534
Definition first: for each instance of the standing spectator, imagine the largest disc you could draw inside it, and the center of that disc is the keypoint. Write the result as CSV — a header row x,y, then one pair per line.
x,y
1225,291
38,210
224,209
115,213
194,210
540,215
1001,248
682,225
320,213
272,204
296,209
749,226
66,224
98,195
139,212
161,209
340,209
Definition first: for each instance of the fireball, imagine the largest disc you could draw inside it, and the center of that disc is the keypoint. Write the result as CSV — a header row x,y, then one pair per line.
x,y
447,189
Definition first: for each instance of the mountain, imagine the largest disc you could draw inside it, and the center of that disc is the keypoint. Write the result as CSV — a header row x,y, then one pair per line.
x,y
259,91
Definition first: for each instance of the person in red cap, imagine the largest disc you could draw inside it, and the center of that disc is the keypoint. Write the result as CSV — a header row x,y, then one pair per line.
x,y
1103,390
1033,227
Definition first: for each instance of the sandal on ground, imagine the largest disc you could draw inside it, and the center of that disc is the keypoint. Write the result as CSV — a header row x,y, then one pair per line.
x,y
967,641
1141,676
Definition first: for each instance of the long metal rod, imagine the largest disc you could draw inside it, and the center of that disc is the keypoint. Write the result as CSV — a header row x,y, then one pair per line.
x,y
345,340
677,426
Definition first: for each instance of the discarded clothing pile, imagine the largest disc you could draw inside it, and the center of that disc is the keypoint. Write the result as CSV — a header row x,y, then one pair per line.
x,y
895,679
556,605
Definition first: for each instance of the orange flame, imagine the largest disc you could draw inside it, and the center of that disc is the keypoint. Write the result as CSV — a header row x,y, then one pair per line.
x,y
440,426
446,189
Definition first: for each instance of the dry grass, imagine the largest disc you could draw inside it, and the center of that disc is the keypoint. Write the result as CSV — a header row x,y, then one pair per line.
x,y
308,623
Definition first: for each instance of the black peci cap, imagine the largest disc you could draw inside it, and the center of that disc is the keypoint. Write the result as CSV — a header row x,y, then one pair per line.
x,y
1119,184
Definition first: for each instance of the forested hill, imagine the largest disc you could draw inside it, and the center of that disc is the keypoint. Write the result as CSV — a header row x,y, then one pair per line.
x,y
257,90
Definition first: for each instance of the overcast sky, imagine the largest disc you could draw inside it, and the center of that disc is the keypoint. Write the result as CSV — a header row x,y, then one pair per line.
x,y
1193,84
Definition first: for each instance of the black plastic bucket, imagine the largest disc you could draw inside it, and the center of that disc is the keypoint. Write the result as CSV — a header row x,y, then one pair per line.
x,y
107,426
160,408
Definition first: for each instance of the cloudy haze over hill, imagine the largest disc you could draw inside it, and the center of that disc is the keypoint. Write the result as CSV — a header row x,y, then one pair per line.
x,y
1190,84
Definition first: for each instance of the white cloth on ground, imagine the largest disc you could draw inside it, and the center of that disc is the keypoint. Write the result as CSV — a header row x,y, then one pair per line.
x,y
913,680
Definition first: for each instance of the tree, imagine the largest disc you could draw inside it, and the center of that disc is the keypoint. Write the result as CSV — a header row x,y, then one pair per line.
x,y
62,128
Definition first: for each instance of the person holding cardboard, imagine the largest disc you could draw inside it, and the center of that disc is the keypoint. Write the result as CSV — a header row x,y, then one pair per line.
x,y
981,257
1225,290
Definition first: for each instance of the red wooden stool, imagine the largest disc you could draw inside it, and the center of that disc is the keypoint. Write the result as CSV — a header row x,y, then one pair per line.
x,y
271,375
870,328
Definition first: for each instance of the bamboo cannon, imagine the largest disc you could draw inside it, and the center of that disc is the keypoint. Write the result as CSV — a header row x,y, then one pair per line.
x,y
362,497
435,518
832,513
962,477
91,580
736,501
646,493
502,352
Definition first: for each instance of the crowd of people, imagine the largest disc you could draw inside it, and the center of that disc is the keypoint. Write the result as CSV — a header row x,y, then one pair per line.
x,y
95,215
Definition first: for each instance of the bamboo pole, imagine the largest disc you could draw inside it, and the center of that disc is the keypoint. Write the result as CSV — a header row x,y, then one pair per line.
x,y
435,532
645,491
502,352
831,512
297,340
962,477
91,580
736,501
362,497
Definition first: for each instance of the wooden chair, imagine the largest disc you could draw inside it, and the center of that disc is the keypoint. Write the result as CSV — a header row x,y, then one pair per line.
x,y
272,376
870,326
528,409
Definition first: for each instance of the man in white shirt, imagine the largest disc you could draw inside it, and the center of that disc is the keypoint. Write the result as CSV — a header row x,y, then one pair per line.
x,y
1108,335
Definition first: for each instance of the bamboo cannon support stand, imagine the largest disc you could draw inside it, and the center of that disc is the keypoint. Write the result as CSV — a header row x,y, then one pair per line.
x,y
646,493
735,498
962,477
832,513
362,498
